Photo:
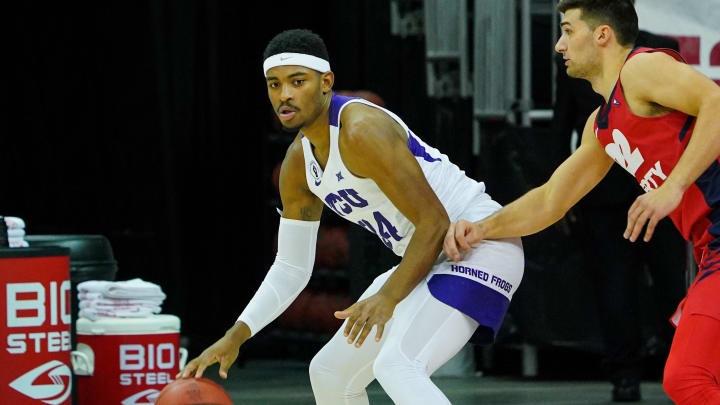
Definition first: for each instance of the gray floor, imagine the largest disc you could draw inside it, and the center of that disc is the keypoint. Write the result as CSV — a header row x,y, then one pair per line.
x,y
285,382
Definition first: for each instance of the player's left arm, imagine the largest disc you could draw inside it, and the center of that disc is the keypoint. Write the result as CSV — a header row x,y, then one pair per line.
x,y
658,78
375,146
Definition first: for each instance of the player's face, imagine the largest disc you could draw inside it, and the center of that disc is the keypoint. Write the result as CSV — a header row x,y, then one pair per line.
x,y
577,45
296,94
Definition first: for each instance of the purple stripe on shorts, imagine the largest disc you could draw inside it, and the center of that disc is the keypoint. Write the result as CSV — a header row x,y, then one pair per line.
x,y
483,304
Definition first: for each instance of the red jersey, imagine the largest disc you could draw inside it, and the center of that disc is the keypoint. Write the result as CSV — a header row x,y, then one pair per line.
x,y
650,147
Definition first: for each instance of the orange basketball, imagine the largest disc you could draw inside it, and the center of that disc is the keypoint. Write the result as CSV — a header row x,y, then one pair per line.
x,y
189,391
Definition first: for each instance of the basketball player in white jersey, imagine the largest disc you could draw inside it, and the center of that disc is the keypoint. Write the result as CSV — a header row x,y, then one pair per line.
x,y
363,163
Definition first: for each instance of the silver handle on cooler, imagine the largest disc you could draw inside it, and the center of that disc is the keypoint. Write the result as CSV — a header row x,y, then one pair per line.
x,y
81,363
183,357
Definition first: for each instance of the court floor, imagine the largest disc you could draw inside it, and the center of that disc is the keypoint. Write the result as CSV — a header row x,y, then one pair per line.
x,y
275,382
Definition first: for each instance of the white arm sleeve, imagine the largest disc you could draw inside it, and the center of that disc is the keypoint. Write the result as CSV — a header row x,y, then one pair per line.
x,y
288,275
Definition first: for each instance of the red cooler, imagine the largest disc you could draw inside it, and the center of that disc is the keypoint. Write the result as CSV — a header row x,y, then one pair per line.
x,y
35,326
126,361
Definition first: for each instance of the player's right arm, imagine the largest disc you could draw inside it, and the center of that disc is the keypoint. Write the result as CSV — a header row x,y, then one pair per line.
x,y
288,275
299,203
541,206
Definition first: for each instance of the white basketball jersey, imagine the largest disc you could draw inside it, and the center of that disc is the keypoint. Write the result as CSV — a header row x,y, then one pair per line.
x,y
361,201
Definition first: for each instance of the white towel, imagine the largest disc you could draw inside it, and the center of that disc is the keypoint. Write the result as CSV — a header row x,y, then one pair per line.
x,y
156,309
14,222
89,295
93,286
111,303
131,289
14,233
18,243
134,289
94,314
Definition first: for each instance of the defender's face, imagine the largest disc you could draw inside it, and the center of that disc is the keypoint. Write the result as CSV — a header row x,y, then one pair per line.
x,y
295,93
577,45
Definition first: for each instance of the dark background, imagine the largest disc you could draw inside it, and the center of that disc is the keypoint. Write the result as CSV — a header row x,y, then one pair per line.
x,y
148,122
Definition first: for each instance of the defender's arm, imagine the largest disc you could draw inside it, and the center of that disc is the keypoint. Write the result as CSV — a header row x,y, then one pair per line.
x,y
542,206
658,78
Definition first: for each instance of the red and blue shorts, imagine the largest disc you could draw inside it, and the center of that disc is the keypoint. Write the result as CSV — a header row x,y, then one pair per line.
x,y
703,296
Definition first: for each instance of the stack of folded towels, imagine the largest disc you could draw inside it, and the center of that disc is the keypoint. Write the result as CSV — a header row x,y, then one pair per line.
x,y
15,232
119,299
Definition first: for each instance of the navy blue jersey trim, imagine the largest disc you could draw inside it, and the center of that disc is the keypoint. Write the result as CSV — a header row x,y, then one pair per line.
x,y
709,184
714,218
707,273
602,119
686,127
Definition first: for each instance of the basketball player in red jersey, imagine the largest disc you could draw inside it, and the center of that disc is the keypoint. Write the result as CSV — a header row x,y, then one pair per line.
x,y
661,122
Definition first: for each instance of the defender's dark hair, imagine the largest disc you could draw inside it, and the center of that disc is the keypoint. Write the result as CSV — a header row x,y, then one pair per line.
x,y
297,41
618,14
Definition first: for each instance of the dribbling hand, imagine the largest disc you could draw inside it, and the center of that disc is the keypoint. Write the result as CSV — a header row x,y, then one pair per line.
x,y
459,239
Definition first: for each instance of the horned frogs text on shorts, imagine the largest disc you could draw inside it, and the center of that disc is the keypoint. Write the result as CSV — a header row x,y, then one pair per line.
x,y
480,286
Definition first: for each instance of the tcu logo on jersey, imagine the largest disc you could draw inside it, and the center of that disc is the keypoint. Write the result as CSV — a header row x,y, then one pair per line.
x,y
620,151
343,203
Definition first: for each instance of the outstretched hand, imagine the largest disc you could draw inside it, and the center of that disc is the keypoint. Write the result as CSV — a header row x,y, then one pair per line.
x,y
363,315
650,208
459,239
224,351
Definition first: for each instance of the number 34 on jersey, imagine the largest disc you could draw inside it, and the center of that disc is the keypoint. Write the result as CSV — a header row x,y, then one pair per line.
x,y
345,201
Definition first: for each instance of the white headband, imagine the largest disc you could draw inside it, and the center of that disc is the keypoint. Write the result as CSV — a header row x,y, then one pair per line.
x,y
299,59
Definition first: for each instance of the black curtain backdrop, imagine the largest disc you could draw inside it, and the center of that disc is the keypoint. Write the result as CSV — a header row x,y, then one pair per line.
x,y
147,122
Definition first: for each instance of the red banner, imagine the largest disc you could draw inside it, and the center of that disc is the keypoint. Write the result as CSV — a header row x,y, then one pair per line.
x,y
693,23
35,327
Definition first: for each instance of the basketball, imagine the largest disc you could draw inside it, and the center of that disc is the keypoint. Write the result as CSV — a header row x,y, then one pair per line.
x,y
189,391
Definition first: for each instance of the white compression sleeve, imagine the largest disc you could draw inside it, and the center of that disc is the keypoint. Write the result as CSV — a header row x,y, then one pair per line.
x,y
288,275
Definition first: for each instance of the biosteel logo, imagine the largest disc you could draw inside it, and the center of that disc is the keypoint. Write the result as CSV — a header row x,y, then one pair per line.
x,y
56,373
147,397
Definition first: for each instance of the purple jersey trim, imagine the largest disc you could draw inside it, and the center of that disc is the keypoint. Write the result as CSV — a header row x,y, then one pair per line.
x,y
483,304
336,102
419,150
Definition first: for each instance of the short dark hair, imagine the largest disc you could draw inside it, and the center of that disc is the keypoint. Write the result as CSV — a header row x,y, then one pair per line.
x,y
297,41
618,14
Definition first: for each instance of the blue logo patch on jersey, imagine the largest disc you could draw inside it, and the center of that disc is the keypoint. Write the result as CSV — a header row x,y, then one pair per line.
x,y
339,176
315,172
